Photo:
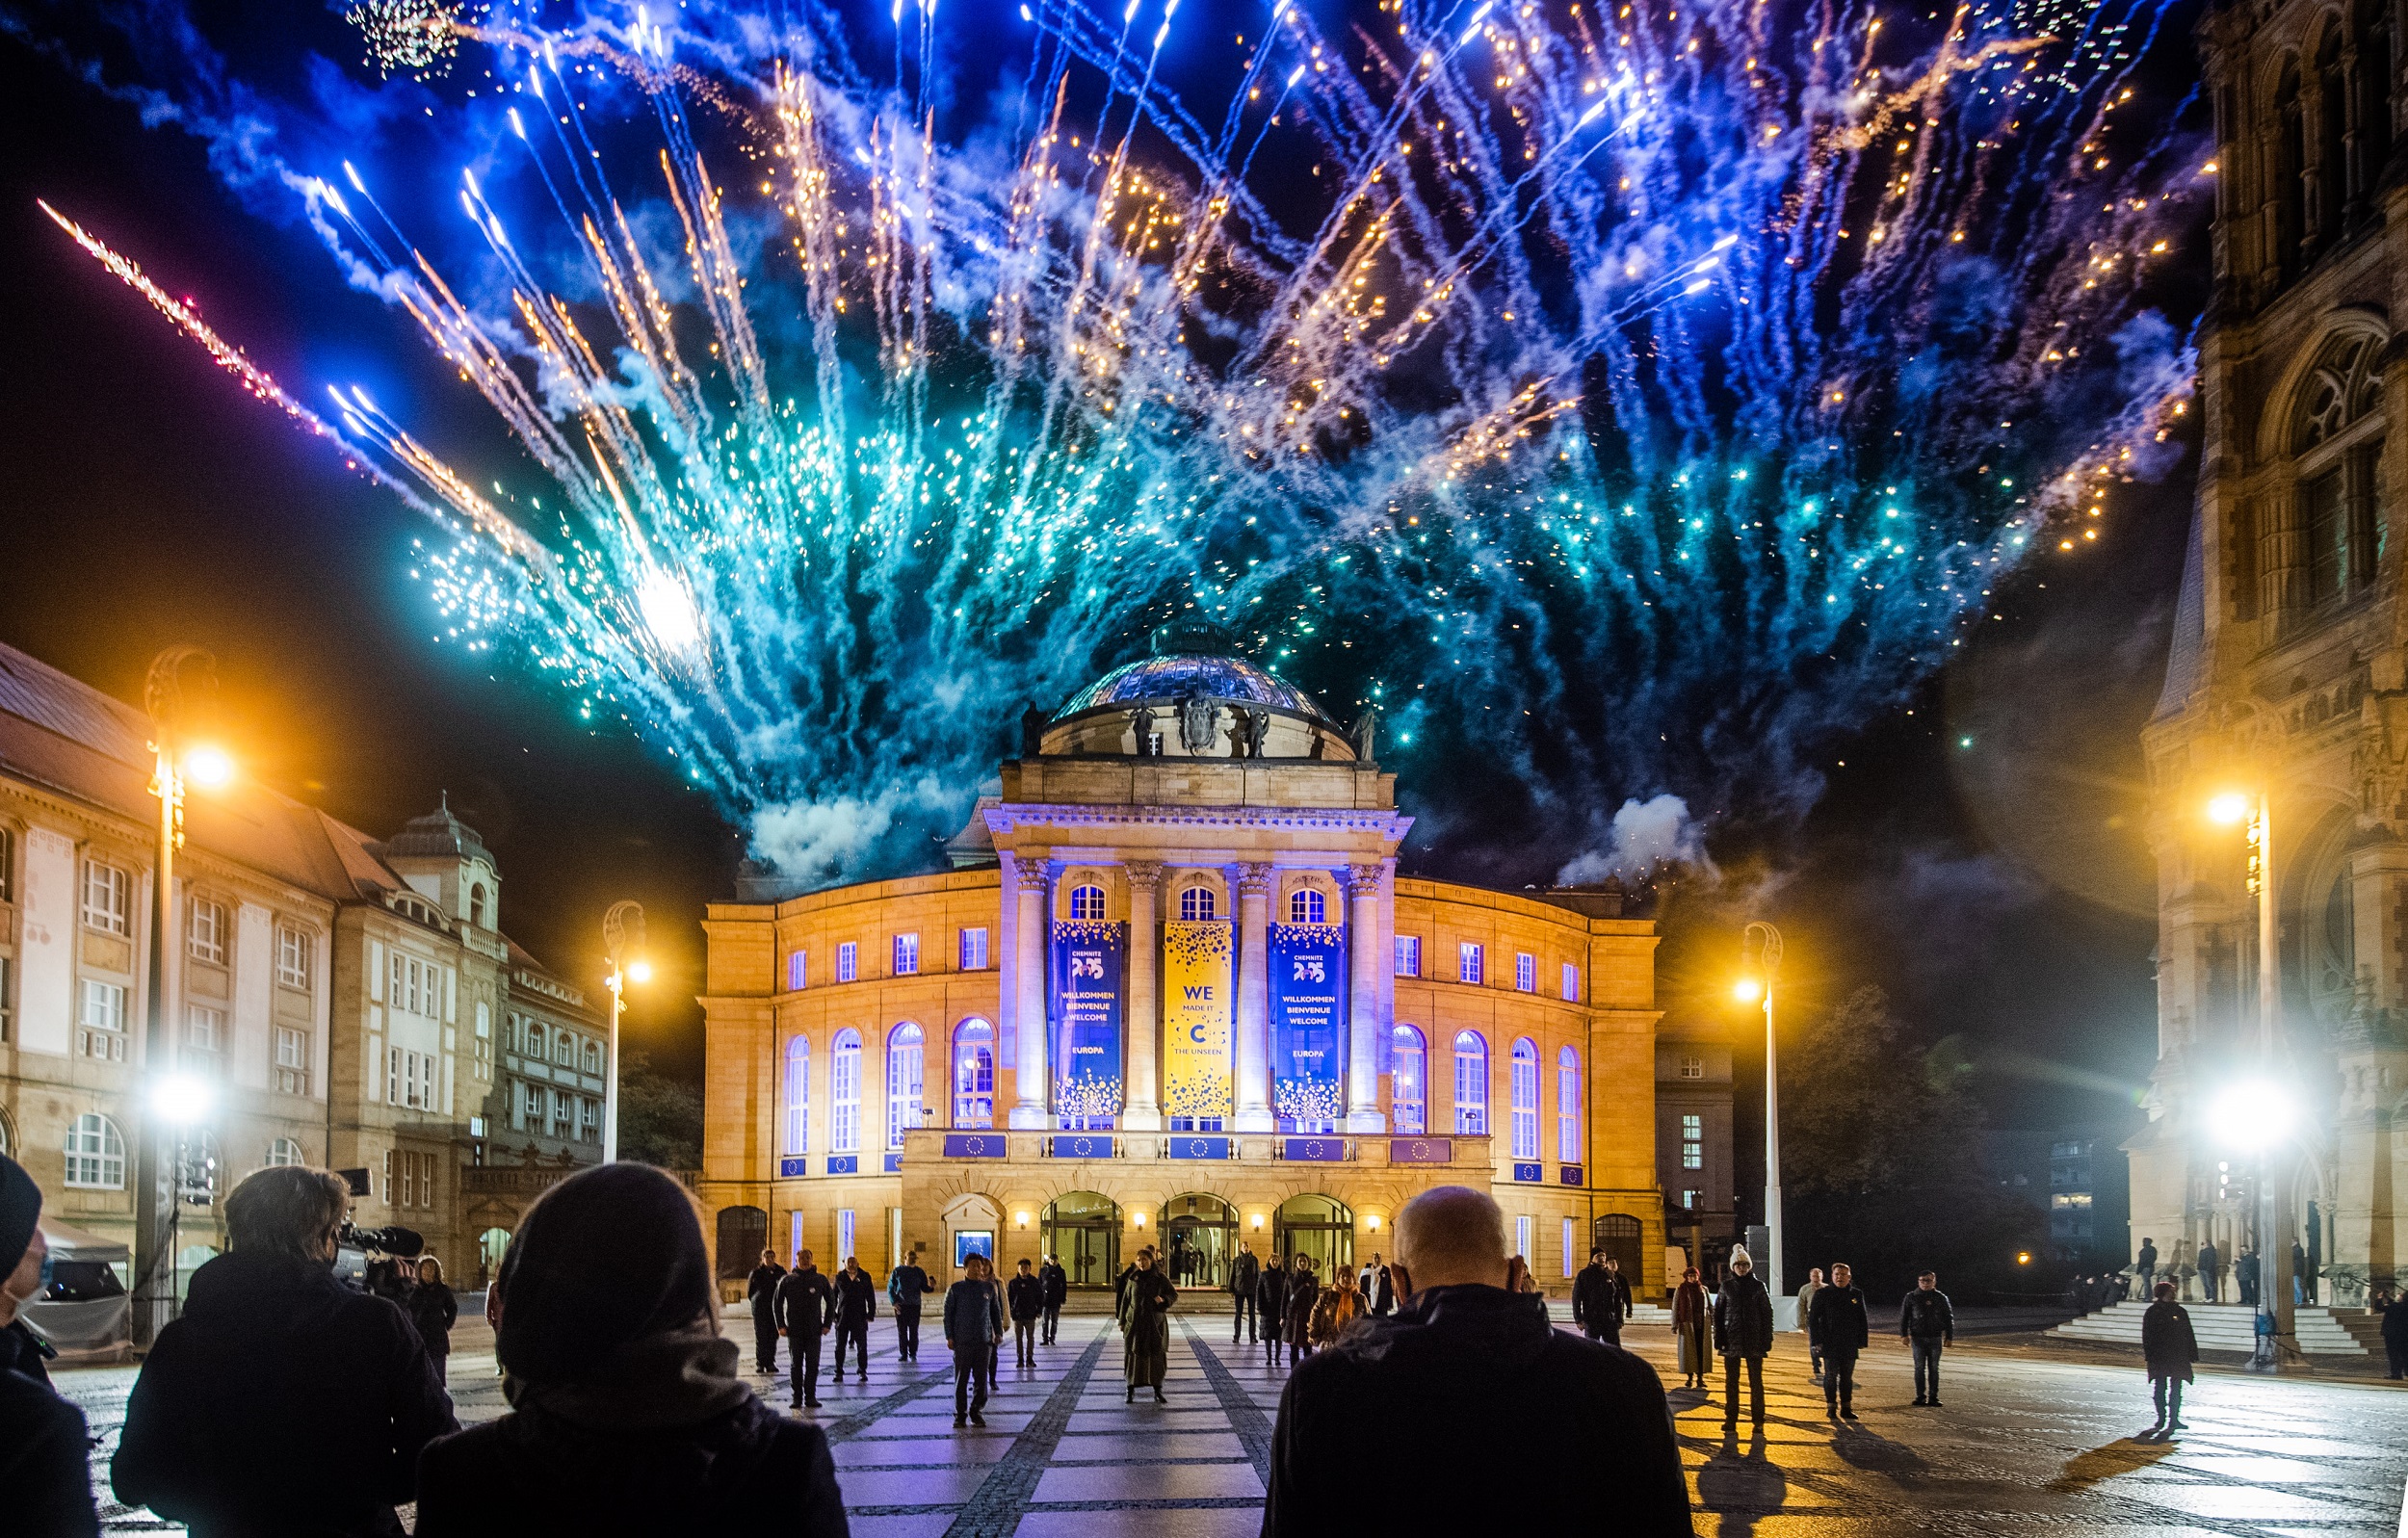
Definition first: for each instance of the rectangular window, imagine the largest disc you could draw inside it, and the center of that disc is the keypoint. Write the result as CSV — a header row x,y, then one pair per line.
x,y
484,1059
292,1061
7,1003
592,1120
1693,1067
1523,1235
417,987
1471,962
1524,972
974,949
1408,955
1693,1142
797,970
105,889
205,931
847,961
205,1028
292,956
2326,513
1692,1200
1571,1245
104,1005
1571,983
844,1234
8,865
906,955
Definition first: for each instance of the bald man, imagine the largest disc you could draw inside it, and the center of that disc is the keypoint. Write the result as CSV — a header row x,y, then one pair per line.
x,y
1506,1423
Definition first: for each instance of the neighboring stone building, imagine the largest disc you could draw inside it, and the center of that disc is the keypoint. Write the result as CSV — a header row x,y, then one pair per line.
x,y
1175,993
1693,1137
343,995
2287,674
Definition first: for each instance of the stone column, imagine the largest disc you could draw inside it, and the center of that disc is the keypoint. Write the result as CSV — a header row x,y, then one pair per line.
x,y
1363,1013
1253,1015
1035,925
1142,1111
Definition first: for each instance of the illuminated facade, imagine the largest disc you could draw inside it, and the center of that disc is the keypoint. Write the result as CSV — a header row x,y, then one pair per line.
x,y
1174,992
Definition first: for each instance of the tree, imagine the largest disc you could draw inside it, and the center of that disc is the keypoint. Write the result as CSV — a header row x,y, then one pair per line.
x,y
1878,1159
660,1118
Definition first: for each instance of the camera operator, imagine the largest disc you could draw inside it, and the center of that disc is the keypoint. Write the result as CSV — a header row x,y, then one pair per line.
x,y
281,1402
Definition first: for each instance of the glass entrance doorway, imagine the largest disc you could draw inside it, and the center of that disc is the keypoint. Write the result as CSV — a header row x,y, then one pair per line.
x,y
1199,1237
1083,1230
1319,1228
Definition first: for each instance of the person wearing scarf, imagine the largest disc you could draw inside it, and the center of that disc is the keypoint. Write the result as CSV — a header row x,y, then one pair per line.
x,y
627,1414
1146,1305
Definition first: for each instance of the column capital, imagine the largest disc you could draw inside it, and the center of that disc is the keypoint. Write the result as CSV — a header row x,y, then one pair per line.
x,y
1035,869
1144,876
1363,881
1254,878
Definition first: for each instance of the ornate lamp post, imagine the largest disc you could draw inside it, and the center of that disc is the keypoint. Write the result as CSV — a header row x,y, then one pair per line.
x,y
623,939
1767,972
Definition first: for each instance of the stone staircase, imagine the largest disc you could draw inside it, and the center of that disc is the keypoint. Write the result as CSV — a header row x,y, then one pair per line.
x,y
2229,1328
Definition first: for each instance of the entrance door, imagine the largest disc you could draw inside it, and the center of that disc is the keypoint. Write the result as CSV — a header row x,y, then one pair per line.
x,y
1318,1227
1084,1230
1199,1235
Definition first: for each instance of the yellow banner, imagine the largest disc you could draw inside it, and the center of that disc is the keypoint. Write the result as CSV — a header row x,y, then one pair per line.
x,y
1196,1001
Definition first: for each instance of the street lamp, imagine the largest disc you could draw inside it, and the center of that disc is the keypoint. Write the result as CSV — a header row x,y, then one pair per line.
x,y
2247,1116
178,717
1752,984
623,938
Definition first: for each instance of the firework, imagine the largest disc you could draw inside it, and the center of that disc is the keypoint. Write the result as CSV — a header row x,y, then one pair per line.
x,y
416,37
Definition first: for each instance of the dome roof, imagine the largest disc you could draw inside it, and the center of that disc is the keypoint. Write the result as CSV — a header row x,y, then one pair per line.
x,y
1181,674
437,835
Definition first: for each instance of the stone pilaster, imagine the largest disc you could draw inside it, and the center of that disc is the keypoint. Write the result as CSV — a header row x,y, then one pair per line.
x,y
1253,1013
1034,924
1365,955
1142,1111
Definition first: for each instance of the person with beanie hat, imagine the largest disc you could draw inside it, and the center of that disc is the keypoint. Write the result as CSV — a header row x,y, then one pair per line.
x,y
45,1471
1743,1335
627,1413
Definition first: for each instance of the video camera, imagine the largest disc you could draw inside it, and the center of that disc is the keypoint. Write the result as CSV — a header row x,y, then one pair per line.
x,y
406,1242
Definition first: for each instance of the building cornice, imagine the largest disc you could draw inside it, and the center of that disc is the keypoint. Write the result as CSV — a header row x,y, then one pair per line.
x,y
1015,817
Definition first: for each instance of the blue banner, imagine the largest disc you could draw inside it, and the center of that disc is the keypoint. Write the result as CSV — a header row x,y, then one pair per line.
x,y
1314,1150
1308,1024
1187,1145
1088,971
1420,1150
975,1145
894,1163
1570,1174
1527,1173
789,1167
844,1163
1083,1145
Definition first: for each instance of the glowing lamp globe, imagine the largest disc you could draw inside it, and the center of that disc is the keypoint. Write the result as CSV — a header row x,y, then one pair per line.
x,y
2254,1115
182,1099
2228,808
1748,990
208,766
639,971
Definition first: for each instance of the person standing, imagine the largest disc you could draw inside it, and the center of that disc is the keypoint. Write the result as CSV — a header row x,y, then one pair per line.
x,y
628,1412
1844,1328
2303,1276
1146,1306
1271,1298
281,1400
906,1286
1805,1325
1927,1322
1334,1310
1593,1300
806,1306
2169,1346
1056,1292
1295,1311
2245,1278
2396,1336
1743,1335
973,1322
46,1453
2210,1269
1246,1273
1383,1297
1691,1335
761,1290
1491,1419
1024,1299
433,1310
2145,1263
856,1305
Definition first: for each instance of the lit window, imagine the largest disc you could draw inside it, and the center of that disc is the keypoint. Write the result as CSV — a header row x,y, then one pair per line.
x,y
284,1151
974,1075
797,970
844,1083
847,961
1570,1245
1471,1082
1305,906
1524,972
1196,902
1408,955
1470,962
1692,1200
1571,983
104,1005
1086,902
292,956
1523,1237
1568,1106
1693,1142
205,931
95,1154
906,955
1407,1094
1525,1088
906,1086
797,1093
205,1028
8,995
974,949
104,898
844,1234
292,1061
1693,1067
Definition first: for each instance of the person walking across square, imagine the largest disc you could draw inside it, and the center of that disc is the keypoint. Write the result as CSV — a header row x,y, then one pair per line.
x,y
806,1307
1057,1283
973,1322
1927,1322
906,1286
2169,1346
1805,1326
1743,1335
1024,1299
1246,1272
1844,1329
1271,1298
856,1305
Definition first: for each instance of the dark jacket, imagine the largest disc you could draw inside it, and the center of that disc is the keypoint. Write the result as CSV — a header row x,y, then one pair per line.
x,y
805,1304
433,1307
973,1318
2395,1324
906,1287
761,1288
21,1350
1384,1292
2148,1256
1601,1300
2167,1341
1057,1284
748,1470
1838,1321
275,1353
45,1461
1744,1316
1270,1295
1539,1422
1295,1309
1025,1296
1926,1316
1244,1272
856,1297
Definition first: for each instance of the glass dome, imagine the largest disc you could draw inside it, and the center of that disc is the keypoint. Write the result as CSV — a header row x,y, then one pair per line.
x,y
1176,677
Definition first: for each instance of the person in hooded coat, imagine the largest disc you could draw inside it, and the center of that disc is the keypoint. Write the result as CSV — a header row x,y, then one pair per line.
x,y
1743,1335
1692,1330
1467,1411
281,1400
1146,1305
45,1471
627,1413
2169,1346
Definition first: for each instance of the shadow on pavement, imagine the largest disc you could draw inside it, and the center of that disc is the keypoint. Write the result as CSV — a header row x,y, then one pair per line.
x,y
1860,1448
2123,1456
1742,1487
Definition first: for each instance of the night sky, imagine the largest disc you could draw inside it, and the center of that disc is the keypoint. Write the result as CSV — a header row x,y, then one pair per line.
x,y
1977,854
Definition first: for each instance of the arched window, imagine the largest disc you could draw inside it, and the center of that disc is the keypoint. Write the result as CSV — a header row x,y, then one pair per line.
x,y
797,1097
845,1084
476,904
8,1134
905,1084
1196,902
284,1151
95,1154
1525,1099
974,1075
1305,906
1471,1082
1086,902
1568,1106
1408,1083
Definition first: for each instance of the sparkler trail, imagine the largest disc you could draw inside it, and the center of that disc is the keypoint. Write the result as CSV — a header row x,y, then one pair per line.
x,y
1628,396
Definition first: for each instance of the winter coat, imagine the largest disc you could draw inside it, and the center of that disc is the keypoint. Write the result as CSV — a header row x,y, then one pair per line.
x,y
1806,1309
807,1305
1025,1295
281,1400
1744,1317
45,1461
1926,1316
21,1350
1596,1302
761,1288
1384,1292
1271,1296
2210,1263
1295,1311
1057,1284
2395,1324
1840,1324
973,1317
2167,1341
746,1471
1243,1273
856,1297
433,1307
1472,1378
906,1286
1332,1311
2148,1258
